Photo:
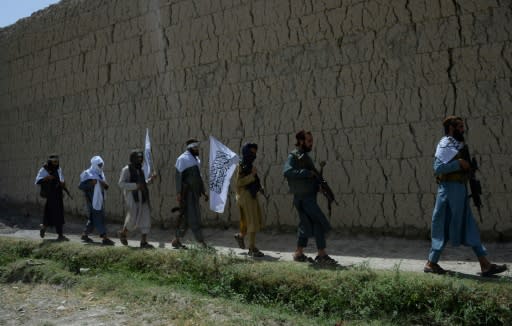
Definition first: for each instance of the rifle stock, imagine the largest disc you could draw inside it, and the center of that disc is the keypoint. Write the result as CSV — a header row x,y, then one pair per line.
x,y
325,189
475,185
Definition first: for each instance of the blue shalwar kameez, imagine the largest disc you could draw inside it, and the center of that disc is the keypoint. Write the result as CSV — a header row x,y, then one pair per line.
x,y
452,219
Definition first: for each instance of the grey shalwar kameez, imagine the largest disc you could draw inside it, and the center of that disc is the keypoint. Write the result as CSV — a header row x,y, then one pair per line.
x,y
189,184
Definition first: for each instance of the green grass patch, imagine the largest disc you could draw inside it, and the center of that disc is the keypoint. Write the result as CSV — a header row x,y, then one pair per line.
x,y
356,294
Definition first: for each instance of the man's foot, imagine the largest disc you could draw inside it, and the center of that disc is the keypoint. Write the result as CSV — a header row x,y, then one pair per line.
x,y
107,242
493,270
42,231
85,238
122,238
146,245
176,244
205,246
240,240
62,238
325,260
255,252
301,258
433,268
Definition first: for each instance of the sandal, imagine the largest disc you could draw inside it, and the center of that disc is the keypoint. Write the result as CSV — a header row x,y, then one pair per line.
x,y
325,260
255,252
303,258
122,238
85,238
494,269
146,245
107,242
435,269
176,244
240,240
62,238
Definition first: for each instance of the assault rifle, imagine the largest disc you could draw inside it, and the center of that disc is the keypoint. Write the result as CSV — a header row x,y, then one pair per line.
x,y
66,190
324,187
255,186
474,184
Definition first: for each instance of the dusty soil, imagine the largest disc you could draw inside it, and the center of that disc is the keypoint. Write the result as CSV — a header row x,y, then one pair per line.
x,y
47,305
22,304
377,252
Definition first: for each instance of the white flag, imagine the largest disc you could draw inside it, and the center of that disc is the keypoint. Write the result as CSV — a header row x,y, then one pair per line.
x,y
222,165
148,162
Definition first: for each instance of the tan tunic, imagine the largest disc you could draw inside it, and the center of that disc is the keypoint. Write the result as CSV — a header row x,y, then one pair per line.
x,y
250,212
138,213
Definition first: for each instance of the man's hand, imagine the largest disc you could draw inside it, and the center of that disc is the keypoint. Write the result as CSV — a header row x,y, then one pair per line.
x,y
314,174
206,198
93,182
464,165
152,177
140,186
253,172
178,198
104,184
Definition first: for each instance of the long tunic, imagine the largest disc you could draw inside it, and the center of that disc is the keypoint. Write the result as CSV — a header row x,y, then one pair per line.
x,y
54,206
452,219
96,217
250,210
190,184
138,213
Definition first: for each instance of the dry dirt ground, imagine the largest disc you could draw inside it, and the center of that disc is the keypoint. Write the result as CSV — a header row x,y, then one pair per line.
x,y
377,252
51,305
47,305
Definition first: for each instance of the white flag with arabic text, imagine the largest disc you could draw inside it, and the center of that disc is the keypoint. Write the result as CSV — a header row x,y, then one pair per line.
x,y
148,162
223,163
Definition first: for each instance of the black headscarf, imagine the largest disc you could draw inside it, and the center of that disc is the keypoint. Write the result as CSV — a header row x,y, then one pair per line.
x,y
137,175
248,157
246,161
49,166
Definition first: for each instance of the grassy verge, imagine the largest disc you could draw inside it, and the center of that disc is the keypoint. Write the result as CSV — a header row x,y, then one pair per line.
x,y
356,294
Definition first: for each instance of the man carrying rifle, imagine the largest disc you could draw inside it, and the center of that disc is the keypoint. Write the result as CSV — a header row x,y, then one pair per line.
x,y
189,188
452,219
304,182
51,180
134,185
248,186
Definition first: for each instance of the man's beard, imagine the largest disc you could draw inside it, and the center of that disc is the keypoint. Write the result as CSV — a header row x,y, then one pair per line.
x,y
306,149
459,136
52,167
194,152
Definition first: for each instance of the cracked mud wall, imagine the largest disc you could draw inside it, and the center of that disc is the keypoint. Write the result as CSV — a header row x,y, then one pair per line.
x,y
372,80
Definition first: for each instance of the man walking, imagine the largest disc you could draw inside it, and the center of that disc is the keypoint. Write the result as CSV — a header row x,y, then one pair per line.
x,y
189,188
303,180
51,180
452,219
94,184
248,186
136,194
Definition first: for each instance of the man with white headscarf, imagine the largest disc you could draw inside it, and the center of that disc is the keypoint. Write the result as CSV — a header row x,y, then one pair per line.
x,y
51,180
189,188
452,219
93,183
136,194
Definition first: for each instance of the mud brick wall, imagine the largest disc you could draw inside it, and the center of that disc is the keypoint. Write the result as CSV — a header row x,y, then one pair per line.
x,y
372,79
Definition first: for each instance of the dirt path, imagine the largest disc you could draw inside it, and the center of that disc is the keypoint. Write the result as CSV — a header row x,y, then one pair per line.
x,y
377,252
